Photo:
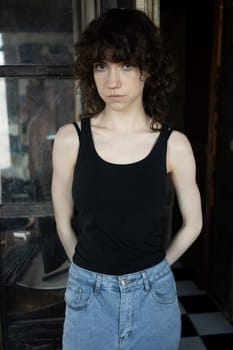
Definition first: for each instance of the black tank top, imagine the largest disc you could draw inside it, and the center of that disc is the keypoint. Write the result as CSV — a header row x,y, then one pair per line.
x,y
118,208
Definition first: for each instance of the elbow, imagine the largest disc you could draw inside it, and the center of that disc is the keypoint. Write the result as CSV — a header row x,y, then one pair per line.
x,y
200,223
63,228
197,227
193,226
196,220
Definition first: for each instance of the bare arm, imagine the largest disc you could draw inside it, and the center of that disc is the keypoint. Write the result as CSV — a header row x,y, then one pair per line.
x,y
181,165
65,150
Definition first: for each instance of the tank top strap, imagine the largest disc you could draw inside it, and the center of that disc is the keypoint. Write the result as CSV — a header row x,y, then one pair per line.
x,y
169,131
85,124
160,147
77,129
166,132
87,135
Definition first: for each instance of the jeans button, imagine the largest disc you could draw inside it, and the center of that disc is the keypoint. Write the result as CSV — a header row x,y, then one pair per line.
x,y
124,282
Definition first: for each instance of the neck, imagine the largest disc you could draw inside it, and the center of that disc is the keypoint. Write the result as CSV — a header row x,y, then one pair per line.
x,y
124,122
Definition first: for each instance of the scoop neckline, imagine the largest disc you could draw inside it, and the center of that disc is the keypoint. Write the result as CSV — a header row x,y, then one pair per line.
x,y
123,164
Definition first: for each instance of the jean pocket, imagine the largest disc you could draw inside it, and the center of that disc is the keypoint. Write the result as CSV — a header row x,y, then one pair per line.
x,y
163,288
78,294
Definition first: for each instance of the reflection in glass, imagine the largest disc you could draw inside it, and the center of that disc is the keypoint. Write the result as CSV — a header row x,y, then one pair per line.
x,y
4,131
24,48
37,32
35,109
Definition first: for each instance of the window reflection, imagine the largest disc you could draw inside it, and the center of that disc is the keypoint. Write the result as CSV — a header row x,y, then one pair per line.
x,y
34,48
36,32
35,108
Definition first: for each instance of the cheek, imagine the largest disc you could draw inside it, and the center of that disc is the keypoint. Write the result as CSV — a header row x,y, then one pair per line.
x,y
140,86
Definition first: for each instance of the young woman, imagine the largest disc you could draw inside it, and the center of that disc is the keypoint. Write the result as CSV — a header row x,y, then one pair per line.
x,y
110,171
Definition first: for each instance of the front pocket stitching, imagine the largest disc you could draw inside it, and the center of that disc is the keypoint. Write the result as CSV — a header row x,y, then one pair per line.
x,y
75,290
155,294
78,305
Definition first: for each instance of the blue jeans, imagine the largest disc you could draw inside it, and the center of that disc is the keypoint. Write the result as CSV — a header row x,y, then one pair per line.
x,y
136,311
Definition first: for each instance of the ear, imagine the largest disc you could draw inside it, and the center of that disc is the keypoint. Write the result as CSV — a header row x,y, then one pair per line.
x,y
144,76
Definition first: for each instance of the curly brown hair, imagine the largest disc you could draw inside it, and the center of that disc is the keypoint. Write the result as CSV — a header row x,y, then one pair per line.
x,y
125,35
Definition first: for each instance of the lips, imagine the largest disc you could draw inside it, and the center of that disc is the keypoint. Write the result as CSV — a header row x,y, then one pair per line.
x,y
116,96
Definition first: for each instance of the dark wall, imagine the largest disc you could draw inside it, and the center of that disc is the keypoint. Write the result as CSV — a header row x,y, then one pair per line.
x,y
222,246
202,107
187,28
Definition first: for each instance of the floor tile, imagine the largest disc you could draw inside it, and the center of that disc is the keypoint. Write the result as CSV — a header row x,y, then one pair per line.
x,y
218,341
204,326
211,323
192,343
182,309
198,304
188,328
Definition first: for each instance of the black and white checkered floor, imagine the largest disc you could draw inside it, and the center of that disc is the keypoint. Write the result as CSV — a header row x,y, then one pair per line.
x,y
204,327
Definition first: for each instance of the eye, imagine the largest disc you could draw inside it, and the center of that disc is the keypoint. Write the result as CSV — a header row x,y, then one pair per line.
x,y
127,66
99,66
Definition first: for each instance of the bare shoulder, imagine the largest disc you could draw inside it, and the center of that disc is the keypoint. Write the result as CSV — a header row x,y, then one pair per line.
x,y
179,150
67,136
66,145
178,140
179,144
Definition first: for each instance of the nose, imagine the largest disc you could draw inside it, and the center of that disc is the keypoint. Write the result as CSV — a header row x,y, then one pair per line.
x,y
113,79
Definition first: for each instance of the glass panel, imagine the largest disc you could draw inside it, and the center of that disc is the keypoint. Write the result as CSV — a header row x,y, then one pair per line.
x,y
36,32
31,110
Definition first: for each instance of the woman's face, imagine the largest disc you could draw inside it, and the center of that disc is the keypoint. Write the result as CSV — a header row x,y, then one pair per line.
x,y
120,85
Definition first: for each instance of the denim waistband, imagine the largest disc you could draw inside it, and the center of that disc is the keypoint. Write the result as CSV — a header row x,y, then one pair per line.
x,y
136,279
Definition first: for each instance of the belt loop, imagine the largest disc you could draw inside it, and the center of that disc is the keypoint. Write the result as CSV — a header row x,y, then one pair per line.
x,y
146,280
98,283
